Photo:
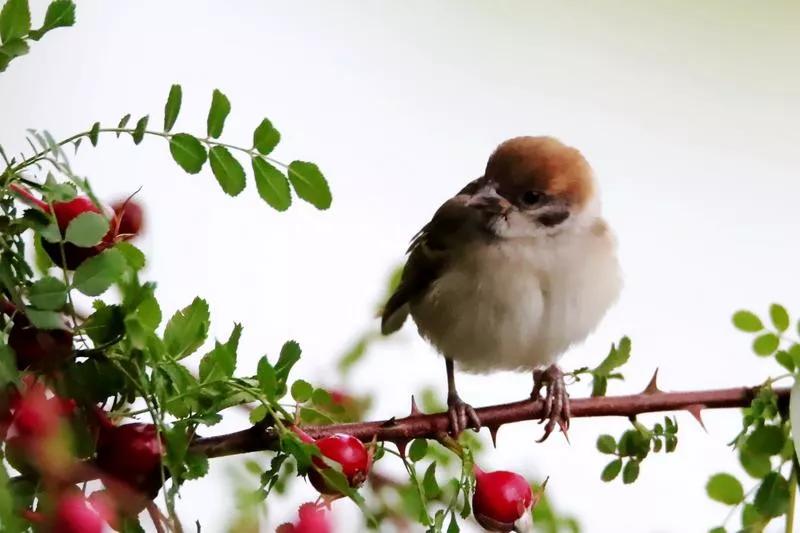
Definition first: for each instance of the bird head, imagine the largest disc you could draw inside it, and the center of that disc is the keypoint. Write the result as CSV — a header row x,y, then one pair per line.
x,y
533,186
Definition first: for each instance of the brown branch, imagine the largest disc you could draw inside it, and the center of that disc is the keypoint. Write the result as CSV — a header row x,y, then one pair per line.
x,y
402,430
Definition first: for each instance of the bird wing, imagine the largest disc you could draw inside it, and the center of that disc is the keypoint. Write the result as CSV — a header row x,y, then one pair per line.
x,y
431,248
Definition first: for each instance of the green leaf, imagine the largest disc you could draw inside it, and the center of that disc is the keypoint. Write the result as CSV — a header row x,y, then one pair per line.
x,y
265,137
766,440
321,398
611,470
187,329
227,170
310,184
779,316
217,364
221,361
8,366
630,472
142,323
173,106
266,378
766,344
725,488
44,319
756,465
752,520
747,321
785,359
290,354
772,497
719,529
272,185
188,152
14,48
617,356
233,339
122,123
418,449
258,414
15,20
95,275
60,14
196,465
134,256
105,324
301,391
794,352
220,108
87,229
606,444
454,527
429,483
41,259
141,127
59,192
94,133
48,293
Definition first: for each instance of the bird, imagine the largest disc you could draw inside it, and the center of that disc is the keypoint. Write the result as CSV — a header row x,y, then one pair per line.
x,y
511,272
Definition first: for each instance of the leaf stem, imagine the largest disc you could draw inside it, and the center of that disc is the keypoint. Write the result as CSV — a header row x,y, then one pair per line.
x,y
38,156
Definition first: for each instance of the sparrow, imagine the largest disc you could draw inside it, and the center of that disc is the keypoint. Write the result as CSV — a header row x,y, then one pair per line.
x,y
511,272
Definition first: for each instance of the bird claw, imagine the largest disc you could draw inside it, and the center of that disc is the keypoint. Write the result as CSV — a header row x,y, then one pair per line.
x,y
460,414
556,401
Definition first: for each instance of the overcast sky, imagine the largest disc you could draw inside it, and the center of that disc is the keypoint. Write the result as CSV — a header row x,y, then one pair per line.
x,y
687,111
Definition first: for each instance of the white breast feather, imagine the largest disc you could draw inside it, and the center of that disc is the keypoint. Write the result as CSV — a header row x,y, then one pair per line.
x,y
517,304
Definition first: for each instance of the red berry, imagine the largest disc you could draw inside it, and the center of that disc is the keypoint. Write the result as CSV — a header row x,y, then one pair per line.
x,y
311,519
340,398
36,348
75,514
501,498
74,255
131,453
130,215
36,415
66,211
349,452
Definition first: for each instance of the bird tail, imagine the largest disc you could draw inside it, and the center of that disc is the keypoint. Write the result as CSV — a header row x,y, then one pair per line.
x,y
394,314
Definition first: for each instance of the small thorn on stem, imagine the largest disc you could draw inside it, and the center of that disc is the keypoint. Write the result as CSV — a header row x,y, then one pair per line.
x,y
695,410
652,386
414,409
493,432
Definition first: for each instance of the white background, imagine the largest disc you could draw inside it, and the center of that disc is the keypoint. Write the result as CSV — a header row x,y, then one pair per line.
x,y
688,113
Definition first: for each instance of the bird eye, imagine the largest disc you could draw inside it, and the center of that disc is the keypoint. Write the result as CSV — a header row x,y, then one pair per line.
x,y
532,197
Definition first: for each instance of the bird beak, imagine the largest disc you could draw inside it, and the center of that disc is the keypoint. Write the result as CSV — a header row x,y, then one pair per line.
x,y
487,200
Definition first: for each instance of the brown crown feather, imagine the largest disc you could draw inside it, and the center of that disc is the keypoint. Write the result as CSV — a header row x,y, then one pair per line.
x,y
542,164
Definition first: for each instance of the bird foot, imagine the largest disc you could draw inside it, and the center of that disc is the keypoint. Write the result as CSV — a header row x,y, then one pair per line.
x,y
556,400
461,415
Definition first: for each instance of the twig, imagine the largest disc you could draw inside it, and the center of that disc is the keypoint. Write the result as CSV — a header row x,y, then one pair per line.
x,y
403,430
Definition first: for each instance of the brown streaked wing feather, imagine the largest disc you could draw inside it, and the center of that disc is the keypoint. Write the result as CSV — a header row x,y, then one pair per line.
x,y
453,225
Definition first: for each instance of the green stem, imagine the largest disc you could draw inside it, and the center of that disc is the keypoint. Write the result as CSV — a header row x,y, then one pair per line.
x,y
252,152
792,498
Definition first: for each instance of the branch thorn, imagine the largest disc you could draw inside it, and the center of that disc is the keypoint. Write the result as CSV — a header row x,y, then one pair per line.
x,y
414,409
493,432
695,409
652,386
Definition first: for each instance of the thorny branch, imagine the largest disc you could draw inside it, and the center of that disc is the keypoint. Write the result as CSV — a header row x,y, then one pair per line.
x,y
402,430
